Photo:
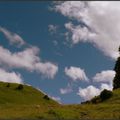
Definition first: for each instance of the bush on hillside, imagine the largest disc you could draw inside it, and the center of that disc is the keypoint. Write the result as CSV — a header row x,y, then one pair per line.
x,y
96,100
46,97
8,85
20,87
105,94
86,102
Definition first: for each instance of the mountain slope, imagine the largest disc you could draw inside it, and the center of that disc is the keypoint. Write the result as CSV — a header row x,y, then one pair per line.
x,y
29,103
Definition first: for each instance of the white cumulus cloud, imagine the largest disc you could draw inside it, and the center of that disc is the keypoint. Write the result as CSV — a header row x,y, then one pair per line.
x,y
76,73
79,34
92,91
104,76
106,86
12,37
66,90
88,92
52,28
47,68
58,99
10,77
27,59
23,59
98,23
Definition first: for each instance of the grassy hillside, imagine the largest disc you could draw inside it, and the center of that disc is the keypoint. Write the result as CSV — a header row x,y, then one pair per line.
x,y
28,95
30,103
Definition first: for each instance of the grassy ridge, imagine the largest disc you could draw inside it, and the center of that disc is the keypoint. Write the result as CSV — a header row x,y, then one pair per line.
x,y
29,95
29,103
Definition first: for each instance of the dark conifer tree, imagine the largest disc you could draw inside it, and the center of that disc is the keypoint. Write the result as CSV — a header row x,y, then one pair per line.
x,y
116,80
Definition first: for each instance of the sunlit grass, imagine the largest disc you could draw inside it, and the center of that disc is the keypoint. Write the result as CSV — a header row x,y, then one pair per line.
x,y
30,104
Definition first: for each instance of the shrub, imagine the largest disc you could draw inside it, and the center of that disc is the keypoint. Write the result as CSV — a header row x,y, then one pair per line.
x,y
20,87
8,85
55,114
46,97
86,102
96,100
105,94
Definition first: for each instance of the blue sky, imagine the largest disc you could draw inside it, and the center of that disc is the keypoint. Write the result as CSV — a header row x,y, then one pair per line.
x,y
42,25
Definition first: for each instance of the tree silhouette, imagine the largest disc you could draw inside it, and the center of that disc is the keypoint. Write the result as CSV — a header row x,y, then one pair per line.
x,y
20,87
105,94
116,80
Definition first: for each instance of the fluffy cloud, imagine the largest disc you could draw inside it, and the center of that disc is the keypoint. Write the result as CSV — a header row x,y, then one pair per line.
x,y
27,59
104,76
76,73
23,59
52,28
106,86
89,92
12,37
79,33
48,69
92,91
10,77
98,23
66,90
58,99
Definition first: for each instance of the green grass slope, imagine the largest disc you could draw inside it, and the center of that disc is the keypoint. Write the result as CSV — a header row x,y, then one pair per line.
x,y
25,103
29,104
28,95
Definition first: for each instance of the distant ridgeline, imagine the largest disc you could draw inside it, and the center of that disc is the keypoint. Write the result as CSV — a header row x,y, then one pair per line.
x,y
116,80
